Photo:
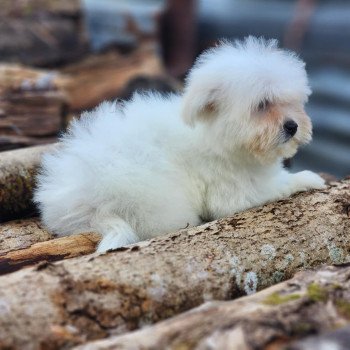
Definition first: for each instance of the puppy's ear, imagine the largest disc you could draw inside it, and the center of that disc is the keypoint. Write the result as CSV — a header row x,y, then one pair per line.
x,y
199,105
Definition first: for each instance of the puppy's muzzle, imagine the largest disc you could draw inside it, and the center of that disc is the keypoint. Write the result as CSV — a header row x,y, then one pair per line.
x,y
290,128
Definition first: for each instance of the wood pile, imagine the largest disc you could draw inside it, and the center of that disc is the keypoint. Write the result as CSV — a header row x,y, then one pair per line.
x,y
42,32
32,108
36,104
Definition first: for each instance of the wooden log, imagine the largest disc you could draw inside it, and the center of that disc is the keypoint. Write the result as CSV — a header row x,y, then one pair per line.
x,y
48,251
21,234
10,142
105,76
42,33
16,78
96,296
31,7
33,113
17,177
27,242
311,302
32,108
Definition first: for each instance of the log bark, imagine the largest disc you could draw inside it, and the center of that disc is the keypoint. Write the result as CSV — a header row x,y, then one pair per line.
x,y
92,297
311,302
42,33
17,176
21,234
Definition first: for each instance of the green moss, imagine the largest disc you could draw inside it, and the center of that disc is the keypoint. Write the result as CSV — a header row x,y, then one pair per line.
x,y
337,286
277,299
343,307
302,328
316,292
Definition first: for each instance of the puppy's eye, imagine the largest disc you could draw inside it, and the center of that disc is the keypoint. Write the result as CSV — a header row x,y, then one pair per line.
x,y
263,105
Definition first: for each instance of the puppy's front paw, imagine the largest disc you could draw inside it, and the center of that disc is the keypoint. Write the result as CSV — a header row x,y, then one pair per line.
x,y
307,180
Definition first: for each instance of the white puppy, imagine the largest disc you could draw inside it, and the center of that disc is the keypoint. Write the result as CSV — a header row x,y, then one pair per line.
x,y
158,164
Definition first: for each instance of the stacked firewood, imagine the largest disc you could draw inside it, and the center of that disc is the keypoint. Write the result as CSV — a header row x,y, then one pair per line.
x,y
42,32
36,104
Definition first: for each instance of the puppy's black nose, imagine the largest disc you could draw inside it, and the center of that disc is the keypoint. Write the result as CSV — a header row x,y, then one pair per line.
x,y
290,127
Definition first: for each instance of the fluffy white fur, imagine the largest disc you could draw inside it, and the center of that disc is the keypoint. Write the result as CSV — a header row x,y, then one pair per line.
x,y
157,164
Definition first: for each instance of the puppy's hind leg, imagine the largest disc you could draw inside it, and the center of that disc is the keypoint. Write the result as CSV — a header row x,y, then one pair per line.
x,y
115,233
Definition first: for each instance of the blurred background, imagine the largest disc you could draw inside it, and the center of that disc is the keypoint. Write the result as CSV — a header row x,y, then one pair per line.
x,y
61,57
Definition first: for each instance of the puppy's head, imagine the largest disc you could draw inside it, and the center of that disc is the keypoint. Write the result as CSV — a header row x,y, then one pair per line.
x,y
250,98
